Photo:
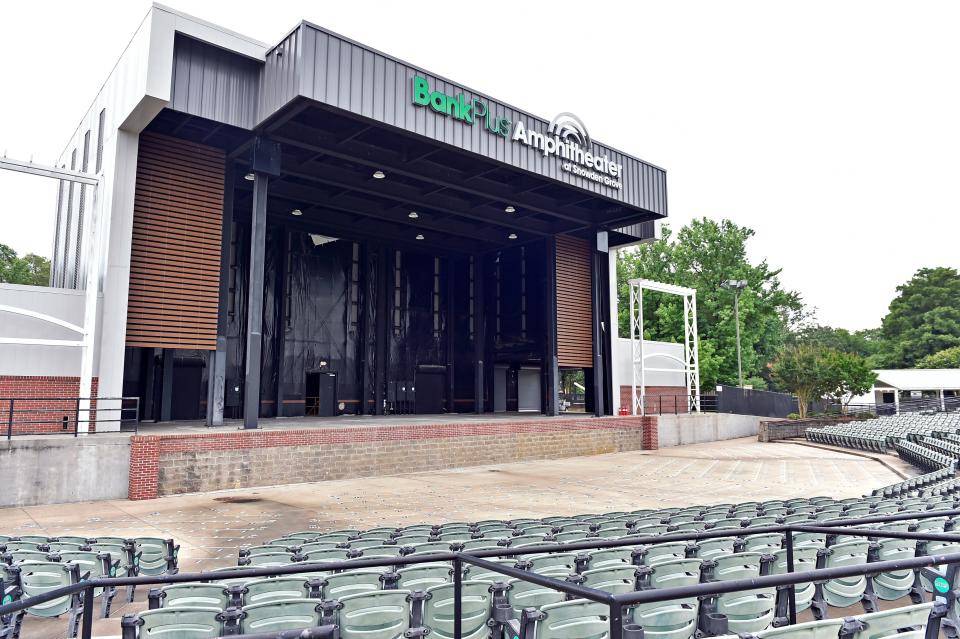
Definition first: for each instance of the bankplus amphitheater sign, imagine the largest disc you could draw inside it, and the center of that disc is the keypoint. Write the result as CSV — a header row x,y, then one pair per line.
x,y
566,137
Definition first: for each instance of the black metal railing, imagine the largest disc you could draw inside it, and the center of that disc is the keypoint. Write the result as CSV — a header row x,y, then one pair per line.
x,y
68,415
677,404
616,603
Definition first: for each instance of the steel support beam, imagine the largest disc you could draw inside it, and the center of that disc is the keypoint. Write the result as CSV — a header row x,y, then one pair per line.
x,y
479,335
384,289
258,233
550,361
48,171
217,373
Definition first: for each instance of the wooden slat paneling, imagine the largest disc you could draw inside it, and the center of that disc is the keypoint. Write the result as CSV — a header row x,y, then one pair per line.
x,y
175,258
574,303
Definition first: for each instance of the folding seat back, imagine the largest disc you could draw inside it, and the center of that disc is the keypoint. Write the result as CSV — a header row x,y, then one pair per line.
x,y
351,582
524,594
555,562
673,574
477,573
741,565
892,585
763,543
649,530
375,552
22,545
480,544
728,523
275,589
610,557
675,618
845,591
710,548
813,540
384,614
190,595
746,611
938,548
474,610
575,619
173,623
423,576
892,623
333,538
615,579
407,540
269,559
539,530
570,536
328,555
250,551
527,540
34,539
797,518
689,526
156,555
457,535
612,532
19,556
669,551
765,520
64,546
430,547
279,615
40,577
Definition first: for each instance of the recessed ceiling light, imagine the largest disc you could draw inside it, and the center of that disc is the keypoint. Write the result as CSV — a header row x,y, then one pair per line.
x,y
249,177
379,175
509,209
413,215
296,212
419,236
512,236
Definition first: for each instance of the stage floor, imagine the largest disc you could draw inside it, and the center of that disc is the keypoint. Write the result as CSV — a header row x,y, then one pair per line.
x,y
342,421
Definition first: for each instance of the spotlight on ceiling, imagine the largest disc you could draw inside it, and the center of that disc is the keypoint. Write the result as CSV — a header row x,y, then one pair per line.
x,y
512,236
509,209
296,212
249,177
379,175
419,236
413,215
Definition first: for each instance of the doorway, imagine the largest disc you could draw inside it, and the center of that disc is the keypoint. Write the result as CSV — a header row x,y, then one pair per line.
x,y
321,394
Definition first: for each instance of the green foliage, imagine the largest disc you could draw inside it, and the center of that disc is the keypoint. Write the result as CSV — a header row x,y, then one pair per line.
x,y
30,269
947,358
702,255
864,342
924,318
847,376
803,370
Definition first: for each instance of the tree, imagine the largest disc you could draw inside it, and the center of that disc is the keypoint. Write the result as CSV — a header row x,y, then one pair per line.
x,y
923,319
31,269
804,370
847,376
947,358
864,343
701,255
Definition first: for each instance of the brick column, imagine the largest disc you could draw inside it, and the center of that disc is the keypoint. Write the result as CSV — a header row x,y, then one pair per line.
x,y
144,467
651,436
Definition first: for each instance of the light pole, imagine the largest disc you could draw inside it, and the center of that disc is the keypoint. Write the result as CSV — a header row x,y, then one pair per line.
x,y
736,286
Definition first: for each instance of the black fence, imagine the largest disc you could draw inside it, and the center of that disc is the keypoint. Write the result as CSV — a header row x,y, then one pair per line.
x,y
940,569
678,404
746,401
68,415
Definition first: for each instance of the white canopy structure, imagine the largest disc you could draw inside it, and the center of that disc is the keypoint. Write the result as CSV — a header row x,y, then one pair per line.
x,y
690,361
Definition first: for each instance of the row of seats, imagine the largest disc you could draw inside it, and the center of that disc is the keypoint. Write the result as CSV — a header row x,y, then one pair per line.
x,y
34,565
880,434
924,457
914,485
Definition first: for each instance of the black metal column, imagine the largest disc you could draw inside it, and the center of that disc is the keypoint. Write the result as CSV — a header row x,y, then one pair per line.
x,y
281,303
217,370
596,313
166,394
363,353
479,335
550,362
448,326
384,292
258,234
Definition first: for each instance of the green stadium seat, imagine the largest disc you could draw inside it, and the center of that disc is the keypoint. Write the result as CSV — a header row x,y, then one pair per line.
x,y
383,614
895,584
890,623
804,559
279,615
763,543
423,576
524,594
615,579
575,619
475,604
274,589
351,582
840,593
173,623
190,595
666,552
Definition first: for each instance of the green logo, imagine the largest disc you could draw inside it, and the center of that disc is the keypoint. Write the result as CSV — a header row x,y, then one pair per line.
x,y
941,584
7,599
457,107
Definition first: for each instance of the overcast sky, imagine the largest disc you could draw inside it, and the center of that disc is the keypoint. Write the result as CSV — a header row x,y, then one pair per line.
x,y
830,128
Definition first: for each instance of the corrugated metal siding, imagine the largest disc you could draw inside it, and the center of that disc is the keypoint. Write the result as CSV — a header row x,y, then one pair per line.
x,y
343,74
215,84
574,303
175,253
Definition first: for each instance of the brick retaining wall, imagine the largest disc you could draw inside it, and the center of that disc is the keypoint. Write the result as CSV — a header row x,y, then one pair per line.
x,y
42,415
173,464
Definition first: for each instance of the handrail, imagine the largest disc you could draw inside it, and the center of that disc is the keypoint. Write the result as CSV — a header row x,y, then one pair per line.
x,y
647,596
